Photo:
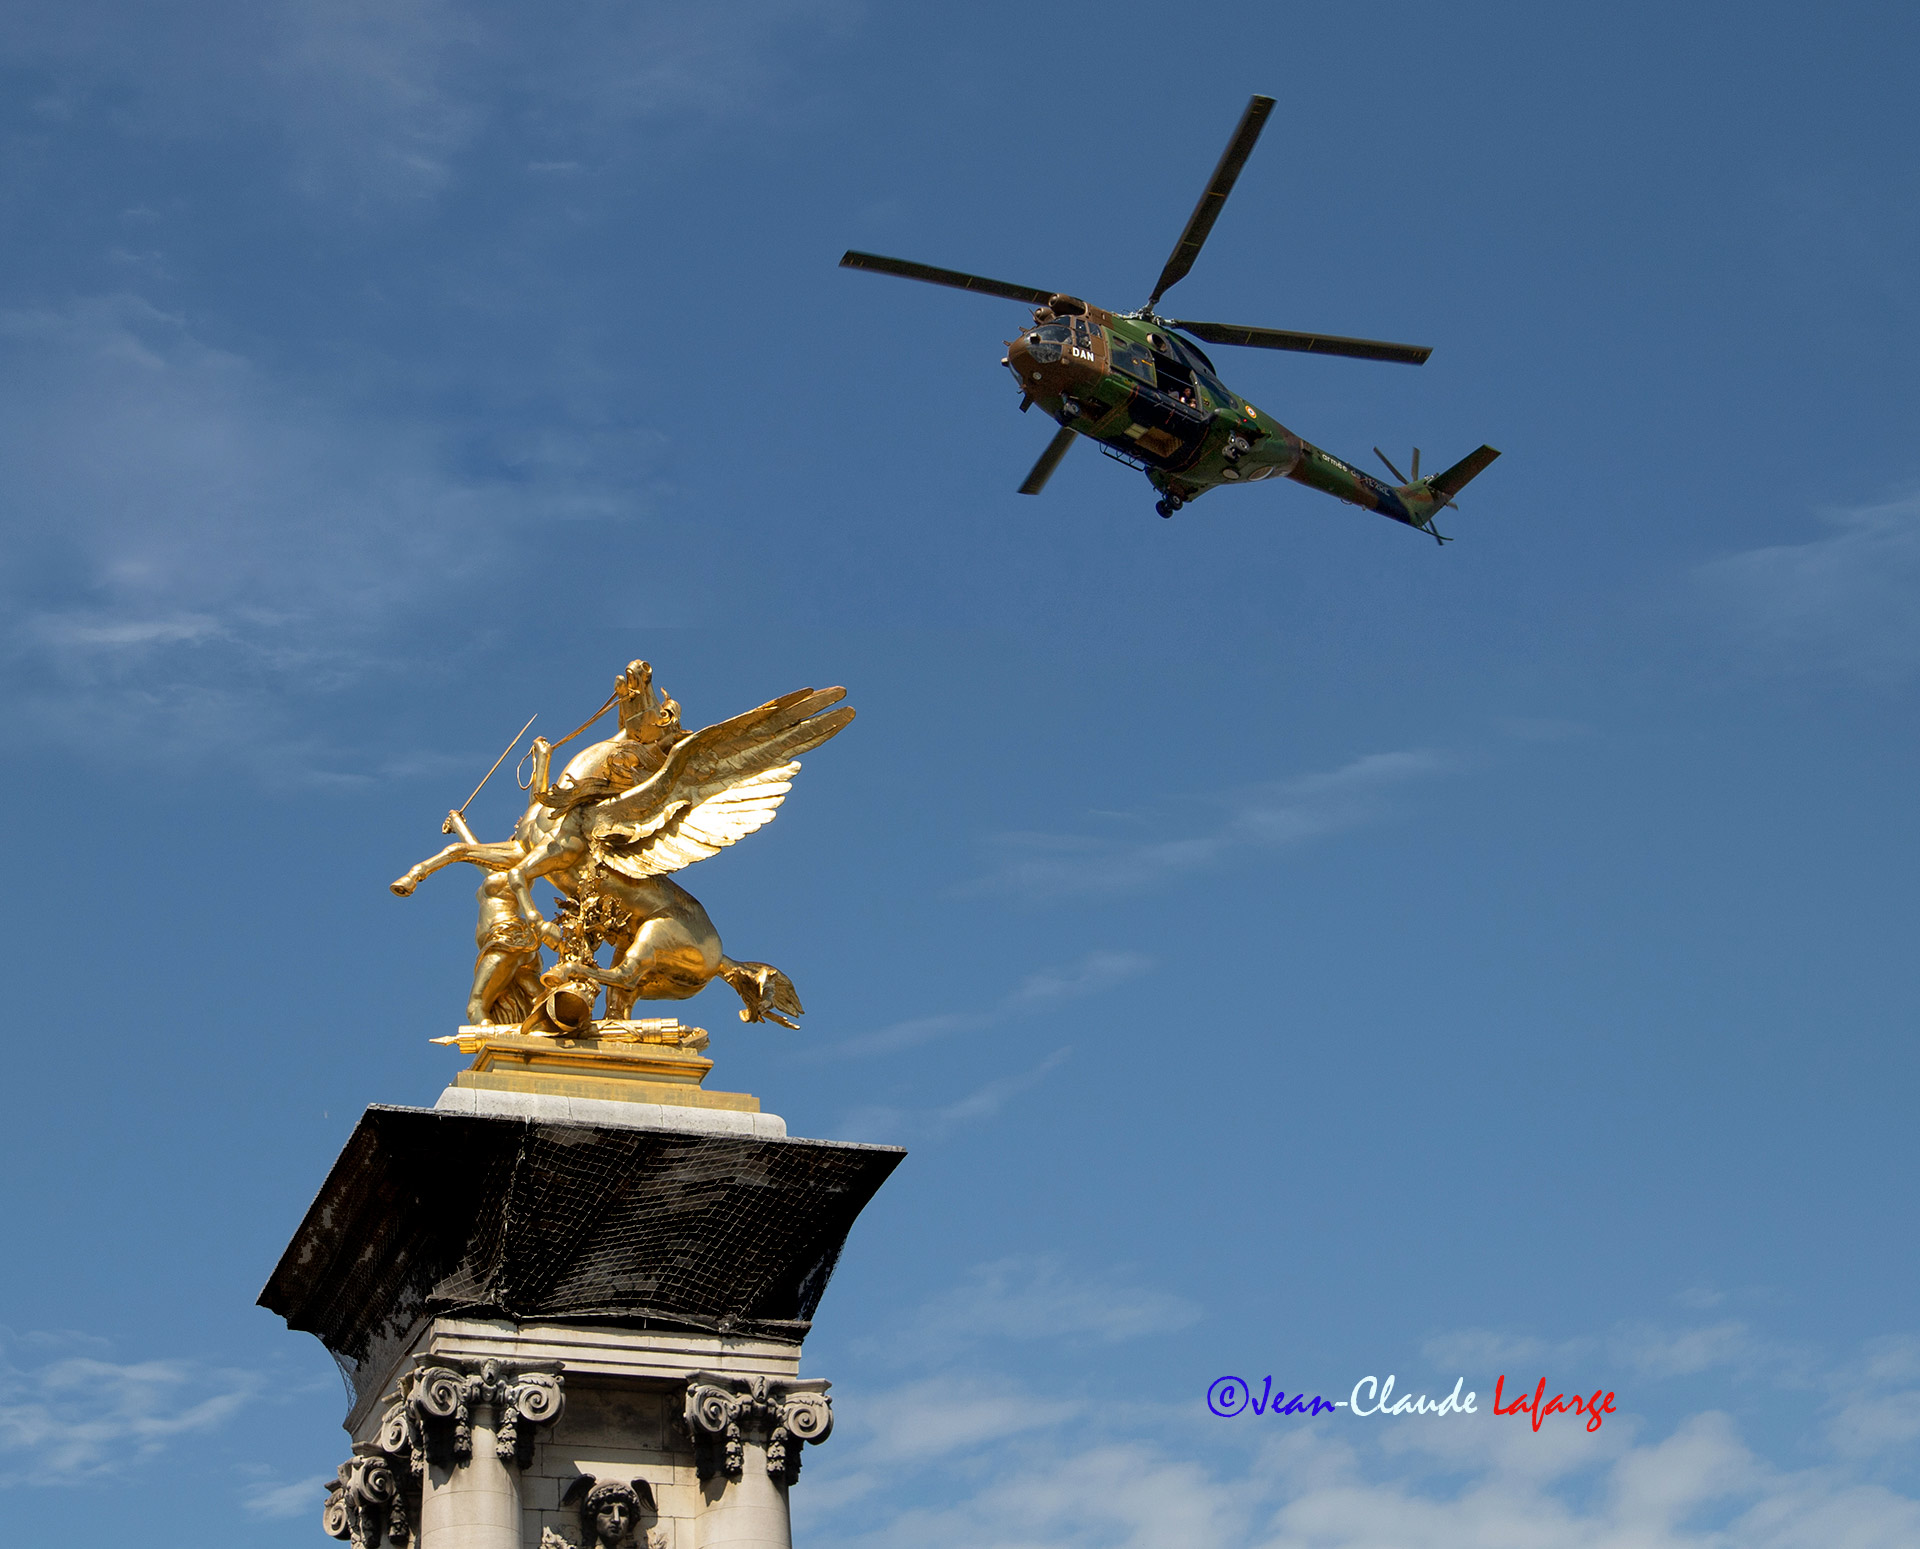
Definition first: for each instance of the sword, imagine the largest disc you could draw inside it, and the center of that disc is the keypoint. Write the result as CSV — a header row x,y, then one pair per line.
x,y
456,822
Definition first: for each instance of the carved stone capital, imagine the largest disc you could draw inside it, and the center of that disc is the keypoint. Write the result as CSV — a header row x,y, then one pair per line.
x,y
434,1415
365,1503
722,1412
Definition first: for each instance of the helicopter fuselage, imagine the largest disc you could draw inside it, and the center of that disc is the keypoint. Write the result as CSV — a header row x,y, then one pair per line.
x,y
1152,399
1155,401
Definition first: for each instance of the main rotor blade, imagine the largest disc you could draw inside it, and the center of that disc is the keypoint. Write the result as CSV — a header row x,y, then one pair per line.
x,y
1310,343
1049,460
1207,211
958,279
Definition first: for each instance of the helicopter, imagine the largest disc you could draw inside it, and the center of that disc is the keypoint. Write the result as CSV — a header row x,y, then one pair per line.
x,y
1152,399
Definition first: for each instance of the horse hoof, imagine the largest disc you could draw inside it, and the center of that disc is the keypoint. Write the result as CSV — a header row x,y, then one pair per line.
x,y
403,888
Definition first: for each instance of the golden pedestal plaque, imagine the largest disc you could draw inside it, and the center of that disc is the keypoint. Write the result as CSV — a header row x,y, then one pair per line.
x,y
652,1061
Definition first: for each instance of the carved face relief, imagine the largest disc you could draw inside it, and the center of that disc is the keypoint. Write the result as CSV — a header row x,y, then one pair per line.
x,y
611,1524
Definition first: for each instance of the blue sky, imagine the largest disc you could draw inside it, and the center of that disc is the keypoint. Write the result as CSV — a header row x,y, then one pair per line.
x,y
1286,947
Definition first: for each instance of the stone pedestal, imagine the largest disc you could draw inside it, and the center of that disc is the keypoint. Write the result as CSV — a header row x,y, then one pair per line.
x,y
574,1319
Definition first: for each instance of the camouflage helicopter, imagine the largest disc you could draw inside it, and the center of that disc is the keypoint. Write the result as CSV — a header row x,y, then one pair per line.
x,y
1154,401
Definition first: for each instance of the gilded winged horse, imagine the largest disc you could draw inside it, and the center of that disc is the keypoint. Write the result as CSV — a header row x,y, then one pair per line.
x,y
625,814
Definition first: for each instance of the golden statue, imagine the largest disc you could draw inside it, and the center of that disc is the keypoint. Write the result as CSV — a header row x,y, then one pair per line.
x,y
625,813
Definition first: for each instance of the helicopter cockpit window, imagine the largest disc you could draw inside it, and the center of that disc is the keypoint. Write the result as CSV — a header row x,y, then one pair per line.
x,y
1046,342
1134,359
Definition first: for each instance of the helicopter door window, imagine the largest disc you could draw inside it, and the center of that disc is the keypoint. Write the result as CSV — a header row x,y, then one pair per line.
x,y
1134,359
1177,379
1176,376
1202,370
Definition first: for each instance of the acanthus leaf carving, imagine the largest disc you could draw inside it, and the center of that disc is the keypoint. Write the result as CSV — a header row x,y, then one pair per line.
x,y
522,1404
721,1409
438,1397
401,1438
365,1503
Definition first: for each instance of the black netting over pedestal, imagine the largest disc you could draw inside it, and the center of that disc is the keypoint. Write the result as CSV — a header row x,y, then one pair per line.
x,y
427,1213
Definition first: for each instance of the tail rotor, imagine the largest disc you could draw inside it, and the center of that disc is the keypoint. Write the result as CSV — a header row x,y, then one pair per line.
x,y
1424,497
1439,498
1399,477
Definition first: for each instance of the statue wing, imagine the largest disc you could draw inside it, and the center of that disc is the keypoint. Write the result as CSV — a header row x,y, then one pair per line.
x,y
717,786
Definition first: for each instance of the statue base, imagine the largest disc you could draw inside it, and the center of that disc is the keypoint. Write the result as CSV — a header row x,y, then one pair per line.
x,y
654,1062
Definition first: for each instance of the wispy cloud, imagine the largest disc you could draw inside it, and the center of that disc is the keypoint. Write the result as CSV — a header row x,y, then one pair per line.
x,y
1476,1349
1069,1472
1253,818
1849,600
377,107
193,550
898,1125
79,631
943,1421
1045,1297
1874,1410
300,1498
184,538
1093,974
1726,1346
1646,1350
941,1416
76,1415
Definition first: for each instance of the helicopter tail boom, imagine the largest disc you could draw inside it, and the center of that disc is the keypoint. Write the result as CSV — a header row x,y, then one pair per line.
x,y
1414,502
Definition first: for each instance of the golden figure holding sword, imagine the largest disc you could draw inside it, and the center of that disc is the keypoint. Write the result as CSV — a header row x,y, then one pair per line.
x,y
624,814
